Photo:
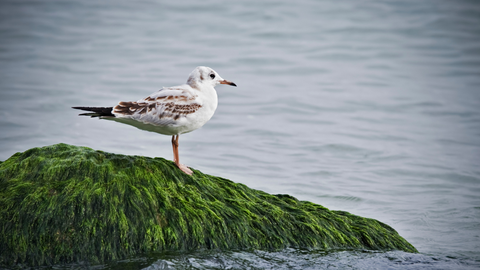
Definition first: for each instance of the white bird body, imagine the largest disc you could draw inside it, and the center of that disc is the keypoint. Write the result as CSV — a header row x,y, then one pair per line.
x,y
171,110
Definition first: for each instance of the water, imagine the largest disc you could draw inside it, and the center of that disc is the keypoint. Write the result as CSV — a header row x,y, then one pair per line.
x,y
369,107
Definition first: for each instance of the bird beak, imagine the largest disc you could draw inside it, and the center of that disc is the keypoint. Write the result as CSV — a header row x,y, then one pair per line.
x,y
228,82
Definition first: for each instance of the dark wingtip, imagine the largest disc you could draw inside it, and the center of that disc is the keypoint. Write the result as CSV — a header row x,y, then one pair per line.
x,y
96,111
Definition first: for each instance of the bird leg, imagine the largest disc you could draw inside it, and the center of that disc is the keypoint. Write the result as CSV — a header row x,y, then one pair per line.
x,y
176,157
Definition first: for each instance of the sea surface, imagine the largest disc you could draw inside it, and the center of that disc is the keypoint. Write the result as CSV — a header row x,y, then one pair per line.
x,y
370,107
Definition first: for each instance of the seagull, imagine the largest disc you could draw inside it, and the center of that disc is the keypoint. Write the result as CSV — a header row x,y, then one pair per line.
x,y
171,110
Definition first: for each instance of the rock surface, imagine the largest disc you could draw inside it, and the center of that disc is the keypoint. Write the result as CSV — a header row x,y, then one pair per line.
x,y
64,204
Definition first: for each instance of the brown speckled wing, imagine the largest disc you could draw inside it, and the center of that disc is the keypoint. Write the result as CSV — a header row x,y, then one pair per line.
x,y
155,112
175,111
164,107
132,107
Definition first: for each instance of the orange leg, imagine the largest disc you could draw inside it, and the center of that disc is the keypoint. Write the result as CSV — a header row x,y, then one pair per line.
x,y
176,157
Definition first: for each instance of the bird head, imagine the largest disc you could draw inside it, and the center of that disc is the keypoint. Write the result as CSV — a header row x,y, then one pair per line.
x,y
204,76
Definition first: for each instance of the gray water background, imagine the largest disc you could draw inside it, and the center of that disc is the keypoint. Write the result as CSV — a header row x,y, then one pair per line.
x,y
371,107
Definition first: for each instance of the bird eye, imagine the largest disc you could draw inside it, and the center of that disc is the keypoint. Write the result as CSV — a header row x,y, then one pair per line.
x,y
212,76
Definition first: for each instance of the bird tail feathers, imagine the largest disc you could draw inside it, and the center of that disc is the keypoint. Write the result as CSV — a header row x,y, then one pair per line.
x,y
96,111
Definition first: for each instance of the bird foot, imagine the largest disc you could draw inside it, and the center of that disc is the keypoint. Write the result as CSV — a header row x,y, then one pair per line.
x,y
185,169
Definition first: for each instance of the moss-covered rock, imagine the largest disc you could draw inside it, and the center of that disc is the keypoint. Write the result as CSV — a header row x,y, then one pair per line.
x,y
64,203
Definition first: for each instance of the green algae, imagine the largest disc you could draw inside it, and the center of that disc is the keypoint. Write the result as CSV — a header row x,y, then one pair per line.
x,y
63,204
